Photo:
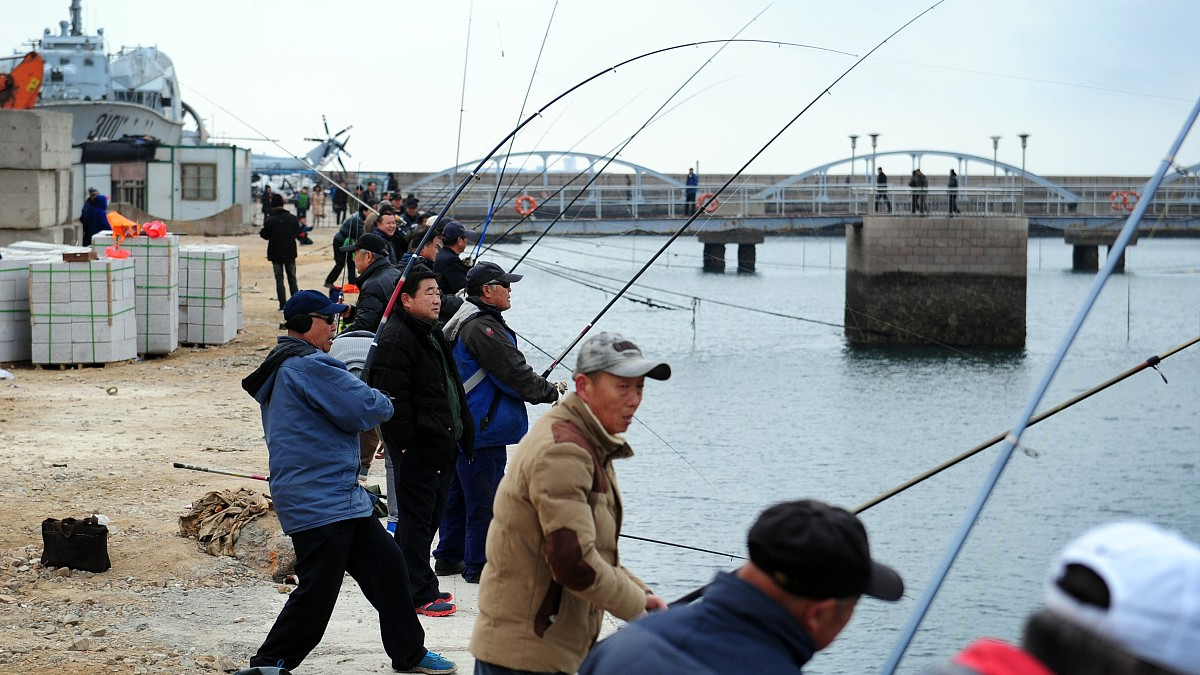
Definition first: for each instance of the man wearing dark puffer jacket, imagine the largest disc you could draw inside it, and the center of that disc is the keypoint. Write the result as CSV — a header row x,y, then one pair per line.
x,y
376,280
414,367
281,229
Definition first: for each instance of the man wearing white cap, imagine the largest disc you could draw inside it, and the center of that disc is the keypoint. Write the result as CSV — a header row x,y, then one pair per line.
x,y
1123,599
553,568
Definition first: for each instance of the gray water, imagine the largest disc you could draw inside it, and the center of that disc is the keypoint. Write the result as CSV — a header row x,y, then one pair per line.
x,y
762,409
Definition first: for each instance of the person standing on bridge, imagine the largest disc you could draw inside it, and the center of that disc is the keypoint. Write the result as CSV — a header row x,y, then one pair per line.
x,y
919,184
881,194
952,188
692,182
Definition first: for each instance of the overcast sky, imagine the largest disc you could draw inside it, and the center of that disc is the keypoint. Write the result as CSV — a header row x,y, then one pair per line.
x,y
1101,87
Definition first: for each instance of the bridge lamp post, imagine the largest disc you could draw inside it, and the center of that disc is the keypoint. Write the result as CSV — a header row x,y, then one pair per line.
x,y
874,139
853,144
1024,138
995,151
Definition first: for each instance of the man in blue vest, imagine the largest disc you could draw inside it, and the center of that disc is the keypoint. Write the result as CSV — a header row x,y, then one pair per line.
x,y
498,382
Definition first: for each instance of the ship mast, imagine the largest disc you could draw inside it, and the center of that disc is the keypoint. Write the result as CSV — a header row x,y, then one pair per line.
x,y
76,17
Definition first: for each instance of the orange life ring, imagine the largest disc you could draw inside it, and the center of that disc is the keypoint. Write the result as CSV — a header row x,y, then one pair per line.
x,y
1124,200
525,205
712,207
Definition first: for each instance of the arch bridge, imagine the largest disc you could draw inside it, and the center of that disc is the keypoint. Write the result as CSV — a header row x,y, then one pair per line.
x,y
836,193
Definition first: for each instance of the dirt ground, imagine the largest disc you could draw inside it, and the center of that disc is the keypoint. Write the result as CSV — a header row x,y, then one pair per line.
x,y
102,440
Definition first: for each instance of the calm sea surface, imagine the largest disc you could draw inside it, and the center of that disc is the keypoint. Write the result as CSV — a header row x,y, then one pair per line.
x,y
765,408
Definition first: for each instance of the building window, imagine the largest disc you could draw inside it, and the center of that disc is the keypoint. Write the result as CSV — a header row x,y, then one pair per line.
x,y
199,182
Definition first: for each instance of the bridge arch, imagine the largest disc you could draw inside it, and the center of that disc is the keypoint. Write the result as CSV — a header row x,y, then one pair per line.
x,y
963,159
551,162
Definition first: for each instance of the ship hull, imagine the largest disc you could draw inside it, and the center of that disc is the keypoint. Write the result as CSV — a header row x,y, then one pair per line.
x,y
109,120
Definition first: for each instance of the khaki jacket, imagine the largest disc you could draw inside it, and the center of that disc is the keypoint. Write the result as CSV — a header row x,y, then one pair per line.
x,y
553,568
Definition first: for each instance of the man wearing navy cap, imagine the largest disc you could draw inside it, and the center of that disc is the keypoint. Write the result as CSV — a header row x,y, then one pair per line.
x,y
312,410
498,382
809,564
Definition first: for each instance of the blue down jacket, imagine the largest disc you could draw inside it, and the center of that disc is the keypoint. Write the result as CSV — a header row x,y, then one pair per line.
x,y
312,412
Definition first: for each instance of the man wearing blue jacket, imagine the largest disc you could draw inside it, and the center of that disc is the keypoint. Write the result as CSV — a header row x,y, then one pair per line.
x,y
498,382
312,412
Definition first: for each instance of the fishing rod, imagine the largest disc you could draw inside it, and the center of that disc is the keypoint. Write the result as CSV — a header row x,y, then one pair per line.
x,y
1013,439
474,174
462,99
193,467
520,114
596,175
1151,362
713,196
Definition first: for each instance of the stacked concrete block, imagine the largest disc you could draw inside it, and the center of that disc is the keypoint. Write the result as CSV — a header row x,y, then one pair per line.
x,y
82,312
210,304
156,283
16,342
35,175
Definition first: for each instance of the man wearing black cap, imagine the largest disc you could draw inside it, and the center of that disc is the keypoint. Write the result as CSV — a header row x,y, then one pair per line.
x,y
809,564
376,280
408,219
448,262
312,410
498,382
553,568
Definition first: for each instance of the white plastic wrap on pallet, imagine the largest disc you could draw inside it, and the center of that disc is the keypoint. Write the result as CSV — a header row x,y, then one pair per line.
x,y
98,327
156,283
209,298
16,338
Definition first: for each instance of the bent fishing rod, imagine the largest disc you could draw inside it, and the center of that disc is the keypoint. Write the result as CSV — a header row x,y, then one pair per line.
x,y
701,208
1013,439
1151,362
474,174
613,156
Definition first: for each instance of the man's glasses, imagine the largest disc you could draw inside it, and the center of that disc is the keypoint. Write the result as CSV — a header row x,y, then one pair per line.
x,y
502,284
329,319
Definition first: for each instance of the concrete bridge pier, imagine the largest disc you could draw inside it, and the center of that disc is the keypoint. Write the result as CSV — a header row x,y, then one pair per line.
x,y
1085,256
935,280
714,249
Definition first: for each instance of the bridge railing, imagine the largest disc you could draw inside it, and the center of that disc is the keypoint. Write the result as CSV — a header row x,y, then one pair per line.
x,y
816,200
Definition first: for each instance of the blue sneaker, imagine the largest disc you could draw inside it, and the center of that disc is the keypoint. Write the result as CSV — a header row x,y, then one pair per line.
x,y
433,664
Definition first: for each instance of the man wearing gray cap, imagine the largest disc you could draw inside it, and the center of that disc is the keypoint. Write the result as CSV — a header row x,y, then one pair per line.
x,y
553,568
498,383
809,564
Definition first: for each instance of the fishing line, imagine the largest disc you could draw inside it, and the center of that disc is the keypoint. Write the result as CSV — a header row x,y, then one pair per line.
x,y
511,194
474,174
1151,362
302,160
1018,428
462,99
690,548
720,190
520,116
545,265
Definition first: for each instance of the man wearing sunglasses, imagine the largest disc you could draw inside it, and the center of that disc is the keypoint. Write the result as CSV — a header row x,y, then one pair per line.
x,y
312,412
498,382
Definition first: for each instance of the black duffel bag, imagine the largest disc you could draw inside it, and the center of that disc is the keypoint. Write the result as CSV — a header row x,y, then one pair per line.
x,y
78,544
